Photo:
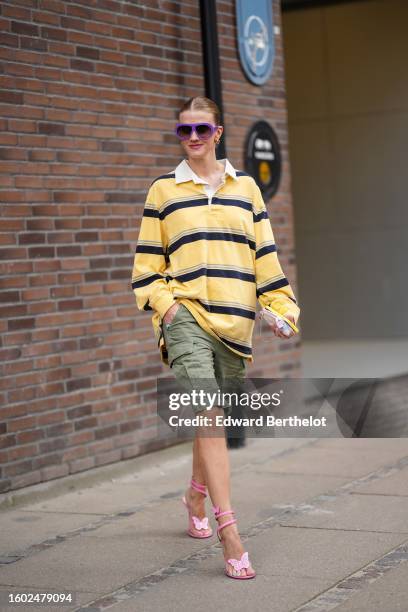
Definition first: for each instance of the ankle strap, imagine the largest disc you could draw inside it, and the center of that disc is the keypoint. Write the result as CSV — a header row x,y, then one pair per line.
x,y
218,513
231,522
198,487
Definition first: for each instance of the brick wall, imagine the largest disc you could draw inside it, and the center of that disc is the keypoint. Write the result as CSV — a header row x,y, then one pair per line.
x,y
88,96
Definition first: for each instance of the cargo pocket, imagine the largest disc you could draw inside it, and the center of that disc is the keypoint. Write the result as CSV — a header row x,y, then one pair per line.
x,y
177,349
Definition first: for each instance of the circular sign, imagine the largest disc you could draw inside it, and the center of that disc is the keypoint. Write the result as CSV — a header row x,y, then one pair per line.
x,y
263,157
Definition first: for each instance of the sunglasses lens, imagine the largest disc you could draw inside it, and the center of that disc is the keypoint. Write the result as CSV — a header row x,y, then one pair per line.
x,y
203,131
184,132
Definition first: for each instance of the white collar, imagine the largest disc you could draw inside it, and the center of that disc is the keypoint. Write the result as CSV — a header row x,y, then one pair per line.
x,y
184,172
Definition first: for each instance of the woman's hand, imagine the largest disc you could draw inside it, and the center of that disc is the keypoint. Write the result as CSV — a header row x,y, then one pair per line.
x,y
171,313
278,332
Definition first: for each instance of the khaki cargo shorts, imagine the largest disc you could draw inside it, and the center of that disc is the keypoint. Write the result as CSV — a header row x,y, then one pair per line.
x,y
200,361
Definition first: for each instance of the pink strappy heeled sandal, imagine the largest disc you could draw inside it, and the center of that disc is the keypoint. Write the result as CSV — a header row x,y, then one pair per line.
x,y
194,523
237,564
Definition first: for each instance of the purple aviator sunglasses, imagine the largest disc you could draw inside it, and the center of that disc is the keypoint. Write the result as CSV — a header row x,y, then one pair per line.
x,y
204,131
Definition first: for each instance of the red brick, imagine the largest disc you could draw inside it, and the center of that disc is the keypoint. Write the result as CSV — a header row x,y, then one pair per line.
x,y
54,471
25,480
80,465
20,452
28,29
47,459
21,323
40,224
35,294
13,253
54,33
43,17
31,238
29,436
9,296
19,467
7,441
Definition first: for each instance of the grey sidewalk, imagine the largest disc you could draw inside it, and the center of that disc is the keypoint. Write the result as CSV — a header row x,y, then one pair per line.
x,y
325,523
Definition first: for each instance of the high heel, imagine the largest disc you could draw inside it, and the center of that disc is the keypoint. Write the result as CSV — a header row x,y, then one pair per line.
x,y
237,564
194,523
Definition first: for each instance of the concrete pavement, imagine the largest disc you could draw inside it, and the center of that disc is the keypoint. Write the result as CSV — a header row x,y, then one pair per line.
x,y
325,522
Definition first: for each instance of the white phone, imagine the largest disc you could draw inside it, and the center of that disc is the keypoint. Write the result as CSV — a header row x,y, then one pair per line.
x,y
281,322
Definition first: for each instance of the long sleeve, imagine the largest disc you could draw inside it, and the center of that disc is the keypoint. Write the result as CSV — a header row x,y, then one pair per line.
x,y
149,281
272,286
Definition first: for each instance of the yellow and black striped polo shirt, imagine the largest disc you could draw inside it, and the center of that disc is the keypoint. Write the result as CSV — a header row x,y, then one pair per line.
x,y
217,256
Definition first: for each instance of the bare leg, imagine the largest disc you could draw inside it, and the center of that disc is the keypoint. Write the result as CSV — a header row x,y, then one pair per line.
x,y
195,499
198,472
214,460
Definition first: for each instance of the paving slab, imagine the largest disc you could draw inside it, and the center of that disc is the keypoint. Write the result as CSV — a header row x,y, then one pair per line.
x,y
257,494
20,529
376,513
320,553
335,459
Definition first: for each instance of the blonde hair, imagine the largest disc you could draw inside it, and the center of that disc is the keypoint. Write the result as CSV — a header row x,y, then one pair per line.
x,y
199,103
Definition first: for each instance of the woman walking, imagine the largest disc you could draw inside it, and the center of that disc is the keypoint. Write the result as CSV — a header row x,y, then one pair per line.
x,y
205,254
